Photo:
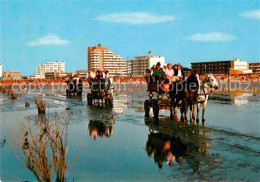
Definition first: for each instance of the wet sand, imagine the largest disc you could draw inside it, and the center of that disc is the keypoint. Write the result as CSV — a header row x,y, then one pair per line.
x,y
226,147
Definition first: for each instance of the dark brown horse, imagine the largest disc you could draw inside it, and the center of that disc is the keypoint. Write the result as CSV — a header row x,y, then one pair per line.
x,y
184,93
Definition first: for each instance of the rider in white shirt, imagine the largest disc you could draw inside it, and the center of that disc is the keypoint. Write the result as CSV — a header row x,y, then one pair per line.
x,y
92,74
105,75
169,73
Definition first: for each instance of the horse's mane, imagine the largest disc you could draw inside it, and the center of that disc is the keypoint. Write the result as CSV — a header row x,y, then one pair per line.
x,y
205,79
192,79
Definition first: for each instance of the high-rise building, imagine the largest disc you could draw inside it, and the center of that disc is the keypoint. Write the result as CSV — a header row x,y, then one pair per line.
x,y
101,58
50,67
1,70
141,63
129,67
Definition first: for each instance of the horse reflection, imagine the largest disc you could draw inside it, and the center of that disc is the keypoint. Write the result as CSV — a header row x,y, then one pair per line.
x,y
174,143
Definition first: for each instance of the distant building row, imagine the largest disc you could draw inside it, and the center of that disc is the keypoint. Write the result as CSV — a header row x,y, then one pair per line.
x,y
235,66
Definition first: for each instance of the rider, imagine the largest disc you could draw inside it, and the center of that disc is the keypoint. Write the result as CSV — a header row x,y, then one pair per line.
x,y
92,76
178,73
106,78
152,68
178,79
169,73
158,72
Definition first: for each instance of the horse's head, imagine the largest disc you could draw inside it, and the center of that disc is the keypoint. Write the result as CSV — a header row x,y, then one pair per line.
x,y
211,80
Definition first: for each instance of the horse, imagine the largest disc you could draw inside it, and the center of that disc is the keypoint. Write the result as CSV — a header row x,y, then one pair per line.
x,y
186,93
203,93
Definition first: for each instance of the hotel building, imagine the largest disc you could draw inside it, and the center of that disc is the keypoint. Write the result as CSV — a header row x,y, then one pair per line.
x,y
104,59
129,67
235,66
255,67
47,67
139,64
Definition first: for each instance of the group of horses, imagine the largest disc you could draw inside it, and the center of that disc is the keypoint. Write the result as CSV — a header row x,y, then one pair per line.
x,y
190,95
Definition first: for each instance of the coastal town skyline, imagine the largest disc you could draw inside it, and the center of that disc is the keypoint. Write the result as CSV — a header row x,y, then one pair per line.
x,y
181,33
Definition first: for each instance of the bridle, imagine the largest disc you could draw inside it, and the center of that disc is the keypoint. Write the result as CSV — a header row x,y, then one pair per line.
x,y
204,92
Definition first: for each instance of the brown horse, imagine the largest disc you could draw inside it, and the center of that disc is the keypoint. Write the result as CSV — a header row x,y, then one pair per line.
x,y
184,93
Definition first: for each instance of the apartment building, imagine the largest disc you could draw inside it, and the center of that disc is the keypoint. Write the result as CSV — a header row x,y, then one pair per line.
x,y
104,59
238,65
235,66
129,67
255,67
47,67
139,64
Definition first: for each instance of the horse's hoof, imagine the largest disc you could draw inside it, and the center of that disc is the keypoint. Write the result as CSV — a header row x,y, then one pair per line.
x,y
197,120
203,120
146,115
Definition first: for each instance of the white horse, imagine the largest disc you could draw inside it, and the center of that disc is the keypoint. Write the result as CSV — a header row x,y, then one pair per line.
x,y
203,94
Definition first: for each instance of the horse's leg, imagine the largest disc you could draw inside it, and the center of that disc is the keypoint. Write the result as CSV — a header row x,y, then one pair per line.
x,y
203,112
183,114
198,111
191,113
174,103
172,113
186,110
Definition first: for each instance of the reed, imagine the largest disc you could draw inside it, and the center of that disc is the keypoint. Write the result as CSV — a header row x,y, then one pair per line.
x,y
42,146
41,106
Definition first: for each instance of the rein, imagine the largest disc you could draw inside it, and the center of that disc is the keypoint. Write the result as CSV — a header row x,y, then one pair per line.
x,y
204,92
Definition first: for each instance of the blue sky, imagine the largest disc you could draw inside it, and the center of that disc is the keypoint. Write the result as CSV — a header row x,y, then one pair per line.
x,y
33,32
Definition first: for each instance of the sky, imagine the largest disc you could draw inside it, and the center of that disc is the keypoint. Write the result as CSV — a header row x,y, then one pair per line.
x,y
33,32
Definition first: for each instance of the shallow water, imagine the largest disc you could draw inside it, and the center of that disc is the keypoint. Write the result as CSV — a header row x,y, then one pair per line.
x,y
120,144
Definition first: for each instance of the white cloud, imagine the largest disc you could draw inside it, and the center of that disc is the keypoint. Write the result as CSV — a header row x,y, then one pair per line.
x,y
48,40
212,36
255,14
135,18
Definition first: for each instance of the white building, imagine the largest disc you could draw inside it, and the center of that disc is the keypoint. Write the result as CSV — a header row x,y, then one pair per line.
x,y
50,67
141,63
104,59
1,70
114,64
36,77
129,67
239,65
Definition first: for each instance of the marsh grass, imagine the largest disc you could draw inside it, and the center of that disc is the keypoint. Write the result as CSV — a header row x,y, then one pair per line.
x,y
41,106
41,145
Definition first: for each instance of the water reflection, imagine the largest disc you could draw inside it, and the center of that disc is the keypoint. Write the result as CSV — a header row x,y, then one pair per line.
x,y
240,98
101,123
172,143
234,98
99,128
41,145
